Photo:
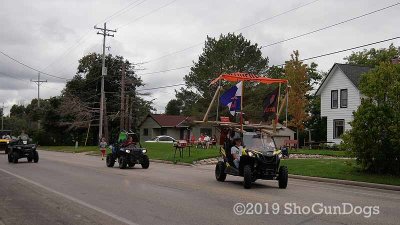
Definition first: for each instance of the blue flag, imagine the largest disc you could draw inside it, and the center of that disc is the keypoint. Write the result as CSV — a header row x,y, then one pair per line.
x,y
233,98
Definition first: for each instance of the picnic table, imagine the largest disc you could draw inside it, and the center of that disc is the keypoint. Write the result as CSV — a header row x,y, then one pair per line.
x,y
180,146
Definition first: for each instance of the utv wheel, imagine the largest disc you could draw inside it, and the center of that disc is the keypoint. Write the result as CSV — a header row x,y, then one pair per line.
x,y
29,159
10,159
15,157
6,151
35,157
220,174
145,162
283,177
247,175
131,165
110,161
122,162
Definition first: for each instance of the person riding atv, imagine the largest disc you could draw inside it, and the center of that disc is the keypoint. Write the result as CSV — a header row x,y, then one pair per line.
x,y
22,148
127,152
259,159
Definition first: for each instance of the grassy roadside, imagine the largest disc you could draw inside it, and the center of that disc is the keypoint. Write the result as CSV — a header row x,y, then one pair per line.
x,y
343,169
159,151
334,153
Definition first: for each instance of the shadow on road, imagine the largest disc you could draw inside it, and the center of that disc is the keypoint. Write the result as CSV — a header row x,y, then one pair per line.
x,y
255,185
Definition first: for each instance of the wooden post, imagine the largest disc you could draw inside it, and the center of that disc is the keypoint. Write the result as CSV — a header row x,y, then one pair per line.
x,y
87,134
241,108
205,118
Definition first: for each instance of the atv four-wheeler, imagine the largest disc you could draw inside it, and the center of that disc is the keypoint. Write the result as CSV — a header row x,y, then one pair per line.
x,y
128,155
22,148
259,160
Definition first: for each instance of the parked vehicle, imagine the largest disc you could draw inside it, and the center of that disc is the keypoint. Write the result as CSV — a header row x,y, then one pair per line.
x,y
5,139
162,139
22,148
259,160
128,153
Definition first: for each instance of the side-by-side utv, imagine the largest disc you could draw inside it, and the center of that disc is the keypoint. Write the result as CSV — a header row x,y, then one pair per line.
x,y
260,160
128,151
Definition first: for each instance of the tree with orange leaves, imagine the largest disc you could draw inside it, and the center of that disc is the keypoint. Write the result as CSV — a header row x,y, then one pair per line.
x,y
296,73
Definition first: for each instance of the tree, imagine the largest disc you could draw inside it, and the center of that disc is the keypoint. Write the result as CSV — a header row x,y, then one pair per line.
x,y
296,73
230,53
373,57
375,135
84,90
173,107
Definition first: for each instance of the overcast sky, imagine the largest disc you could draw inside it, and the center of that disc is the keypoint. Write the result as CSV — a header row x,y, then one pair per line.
x,y
51,35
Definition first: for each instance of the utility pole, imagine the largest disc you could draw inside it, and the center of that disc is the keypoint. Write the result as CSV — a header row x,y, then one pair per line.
x,y
38,83
105,32
122,112
2,117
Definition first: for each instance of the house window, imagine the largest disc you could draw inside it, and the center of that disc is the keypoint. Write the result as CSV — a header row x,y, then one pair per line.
x,y
334,99
163,131
338,128
145,132
343,98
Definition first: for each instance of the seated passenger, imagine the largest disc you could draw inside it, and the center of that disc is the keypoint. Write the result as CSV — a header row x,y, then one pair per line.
x,y
236,151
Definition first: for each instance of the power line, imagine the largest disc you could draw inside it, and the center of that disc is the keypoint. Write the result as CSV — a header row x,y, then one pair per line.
x,y
163,71
330,26
239,29
167,86
30,67
124,10
314,57
147,14
347,49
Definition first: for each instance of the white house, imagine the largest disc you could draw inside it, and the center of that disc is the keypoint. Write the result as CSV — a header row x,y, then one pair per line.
x,y
340,97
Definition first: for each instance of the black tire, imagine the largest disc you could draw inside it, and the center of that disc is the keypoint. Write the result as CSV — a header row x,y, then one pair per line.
x,y
247,177
35,157
9,157
29,159
220,174
283,177
110,161
122,162
131,165
6,151
145,162
15,156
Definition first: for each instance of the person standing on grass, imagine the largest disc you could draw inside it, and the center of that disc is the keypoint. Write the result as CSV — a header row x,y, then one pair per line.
x,y
103,145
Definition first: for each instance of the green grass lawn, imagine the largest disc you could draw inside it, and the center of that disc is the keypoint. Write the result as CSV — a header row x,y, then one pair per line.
x,y
166,152
335,153
161,151
344,169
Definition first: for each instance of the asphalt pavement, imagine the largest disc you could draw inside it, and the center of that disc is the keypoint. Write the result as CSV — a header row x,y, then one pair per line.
x,y
66,188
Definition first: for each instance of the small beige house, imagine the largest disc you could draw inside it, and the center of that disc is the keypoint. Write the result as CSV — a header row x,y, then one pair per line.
x,y
178,127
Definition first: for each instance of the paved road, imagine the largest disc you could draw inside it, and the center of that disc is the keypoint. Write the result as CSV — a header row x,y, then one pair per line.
x,y
77,189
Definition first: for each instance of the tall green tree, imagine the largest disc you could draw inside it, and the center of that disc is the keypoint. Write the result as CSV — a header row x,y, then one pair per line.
x,y
375,135
373,57
85,88
173,107
229,53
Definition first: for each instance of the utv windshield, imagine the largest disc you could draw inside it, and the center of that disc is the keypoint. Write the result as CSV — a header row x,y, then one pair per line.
x,y
258,142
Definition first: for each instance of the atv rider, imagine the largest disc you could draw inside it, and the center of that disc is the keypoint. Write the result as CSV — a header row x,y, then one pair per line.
x,y
236,151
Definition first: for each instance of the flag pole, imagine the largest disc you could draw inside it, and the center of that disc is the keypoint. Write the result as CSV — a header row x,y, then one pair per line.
x,y
287,103
277,108
241,108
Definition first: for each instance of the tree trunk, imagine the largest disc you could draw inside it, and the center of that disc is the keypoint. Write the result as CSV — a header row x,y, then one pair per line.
x,y
297,137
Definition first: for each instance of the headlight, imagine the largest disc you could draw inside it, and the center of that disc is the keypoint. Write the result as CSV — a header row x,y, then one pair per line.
x,y
19,148
128,151
144,150
280,155
250,154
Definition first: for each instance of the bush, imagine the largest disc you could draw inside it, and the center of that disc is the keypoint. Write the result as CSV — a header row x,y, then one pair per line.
x,y
375,135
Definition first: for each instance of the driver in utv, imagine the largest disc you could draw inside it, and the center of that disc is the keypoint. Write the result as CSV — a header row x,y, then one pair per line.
x,y
236,151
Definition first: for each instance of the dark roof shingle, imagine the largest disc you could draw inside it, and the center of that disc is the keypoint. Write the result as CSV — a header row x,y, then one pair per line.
x,y
353,72
168,120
